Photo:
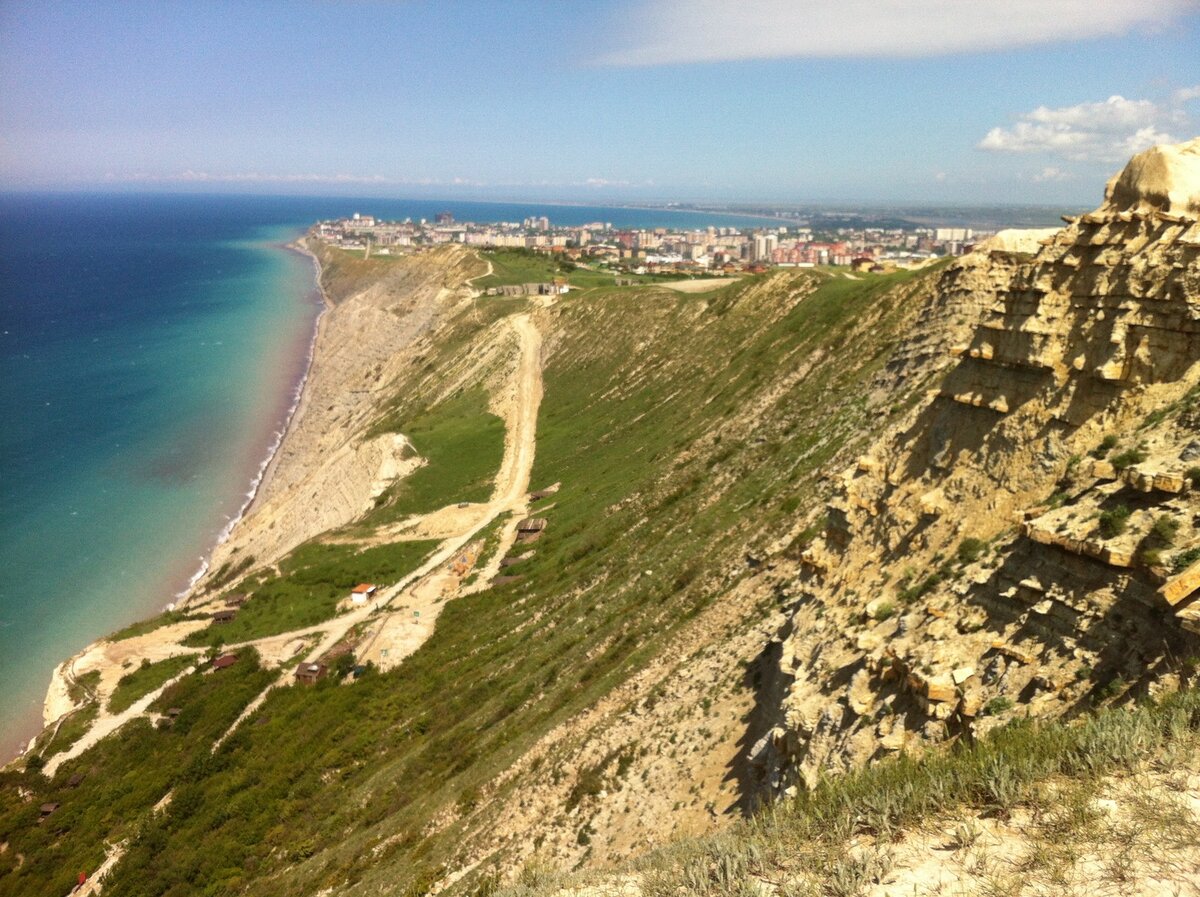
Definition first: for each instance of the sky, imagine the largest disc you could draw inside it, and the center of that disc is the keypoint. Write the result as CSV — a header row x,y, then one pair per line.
x,y
787,101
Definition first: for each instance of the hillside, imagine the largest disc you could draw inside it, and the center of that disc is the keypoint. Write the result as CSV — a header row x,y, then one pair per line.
x,y
794,524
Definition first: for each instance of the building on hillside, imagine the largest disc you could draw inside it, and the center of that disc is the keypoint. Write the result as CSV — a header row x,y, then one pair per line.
x,y
225,660
310,673
362,593
530,529
224,616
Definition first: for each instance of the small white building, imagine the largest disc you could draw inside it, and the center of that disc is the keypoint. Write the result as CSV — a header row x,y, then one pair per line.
x,y
362,593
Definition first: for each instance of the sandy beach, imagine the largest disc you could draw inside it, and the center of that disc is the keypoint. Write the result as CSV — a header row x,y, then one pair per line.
x,y
318,456
320,473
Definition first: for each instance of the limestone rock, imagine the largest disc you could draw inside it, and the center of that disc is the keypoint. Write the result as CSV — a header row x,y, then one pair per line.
x,y
1161,179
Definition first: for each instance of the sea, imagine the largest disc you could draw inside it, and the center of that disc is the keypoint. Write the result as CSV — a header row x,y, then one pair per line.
x,y
151,351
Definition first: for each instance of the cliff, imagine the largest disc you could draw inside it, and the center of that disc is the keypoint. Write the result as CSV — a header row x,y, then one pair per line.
x,y
1025,541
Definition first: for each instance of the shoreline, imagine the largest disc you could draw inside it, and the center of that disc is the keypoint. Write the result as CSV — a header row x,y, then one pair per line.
x,y
258,481
267,466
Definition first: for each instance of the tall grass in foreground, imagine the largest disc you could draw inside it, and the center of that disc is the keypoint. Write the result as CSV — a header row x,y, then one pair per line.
x,y
806,844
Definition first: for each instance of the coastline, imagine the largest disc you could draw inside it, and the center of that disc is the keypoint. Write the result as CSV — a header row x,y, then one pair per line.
x,y
56,702
267,467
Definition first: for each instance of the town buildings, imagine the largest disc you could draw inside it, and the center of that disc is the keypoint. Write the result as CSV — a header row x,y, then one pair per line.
x,y
710,249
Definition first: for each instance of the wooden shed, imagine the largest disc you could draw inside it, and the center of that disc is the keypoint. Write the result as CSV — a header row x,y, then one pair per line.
x,y
225,660
310,673
530,529
224,616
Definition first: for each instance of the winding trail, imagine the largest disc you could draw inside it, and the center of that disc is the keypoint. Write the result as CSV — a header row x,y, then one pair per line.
x,y
431,587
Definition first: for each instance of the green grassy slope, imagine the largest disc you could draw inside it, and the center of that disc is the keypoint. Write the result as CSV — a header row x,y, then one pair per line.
x,y
685,430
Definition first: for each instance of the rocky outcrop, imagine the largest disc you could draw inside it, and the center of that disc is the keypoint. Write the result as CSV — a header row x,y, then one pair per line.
x,y
976,561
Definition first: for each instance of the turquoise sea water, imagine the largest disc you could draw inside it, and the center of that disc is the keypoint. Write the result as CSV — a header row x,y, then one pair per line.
x,y
148,350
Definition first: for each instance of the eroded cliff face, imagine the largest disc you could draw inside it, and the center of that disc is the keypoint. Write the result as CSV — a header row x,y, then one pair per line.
x,y
330,467
1025,540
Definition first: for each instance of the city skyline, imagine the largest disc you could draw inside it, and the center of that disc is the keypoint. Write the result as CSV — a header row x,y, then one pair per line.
x,y
672,101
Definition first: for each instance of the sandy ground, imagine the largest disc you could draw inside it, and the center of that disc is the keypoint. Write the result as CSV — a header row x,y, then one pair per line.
x,y
699,285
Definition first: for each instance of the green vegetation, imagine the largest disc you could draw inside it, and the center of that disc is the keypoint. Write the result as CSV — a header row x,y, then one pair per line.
x,y
69,730
1127,459
124,776
998,705
463,444
1185,559
141,627
311,582
1114,521
671,424
1107,444
884,611
1164,530
1193,475
145,679
970,549
515,266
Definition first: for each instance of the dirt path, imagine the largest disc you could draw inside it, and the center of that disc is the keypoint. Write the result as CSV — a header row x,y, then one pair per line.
x,y
107,723
509,494
95,882
425,588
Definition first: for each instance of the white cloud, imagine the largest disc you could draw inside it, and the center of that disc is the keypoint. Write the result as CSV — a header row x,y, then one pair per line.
x,y
1051,173
1184,94
1106,131
682,31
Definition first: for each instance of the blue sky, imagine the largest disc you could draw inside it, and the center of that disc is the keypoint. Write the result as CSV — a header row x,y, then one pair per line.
x,y
952,101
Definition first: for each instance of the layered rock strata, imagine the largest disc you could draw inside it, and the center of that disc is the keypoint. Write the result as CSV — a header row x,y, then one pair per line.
x,y
1027,540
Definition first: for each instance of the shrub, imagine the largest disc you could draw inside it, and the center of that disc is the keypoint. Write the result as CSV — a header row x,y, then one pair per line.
x,y
1185,559
969,550
1193,475
884,611
1107,444
1151,557
1127,459
1164,530
997,705
1114,521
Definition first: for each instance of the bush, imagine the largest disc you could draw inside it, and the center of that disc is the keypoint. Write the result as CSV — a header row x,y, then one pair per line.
x,y
884,611
1127,459
1185,559
1107,444
1151,557
1164,530
969,550
1193,475
997,705
1114,521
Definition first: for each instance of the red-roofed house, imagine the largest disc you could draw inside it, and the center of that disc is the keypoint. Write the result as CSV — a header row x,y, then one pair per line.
x,y
362,593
